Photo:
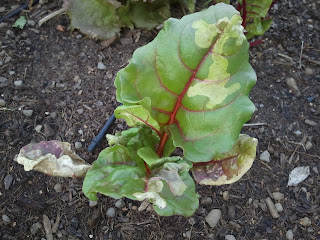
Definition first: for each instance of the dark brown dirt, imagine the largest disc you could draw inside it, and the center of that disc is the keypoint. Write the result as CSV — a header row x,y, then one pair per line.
x,y
60,76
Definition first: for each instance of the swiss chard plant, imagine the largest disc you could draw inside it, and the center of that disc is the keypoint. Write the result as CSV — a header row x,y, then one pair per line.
x,y
103,19
254,14
187,89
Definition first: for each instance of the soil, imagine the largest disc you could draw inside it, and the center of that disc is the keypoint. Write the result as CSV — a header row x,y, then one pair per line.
x,y
71,99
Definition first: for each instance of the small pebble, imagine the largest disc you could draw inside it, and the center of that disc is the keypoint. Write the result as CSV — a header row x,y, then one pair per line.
x,y
310,230
53,115
310,99
278,196
27,113
7,59
34,229
289,234
293,85
305,221
38,128
279,207
93,203
308,71
3,82
119,204
265,156
311,123
59,234
5,218
134,208
297,133
213,217
225,195
120,126
80,111
8,181
229,237
57,187
31,22
2,103
99,104
235,225
78,145
188,234
315,170
308,145
109,75
111,212
18,83
101,66
206,200
303,189
79,36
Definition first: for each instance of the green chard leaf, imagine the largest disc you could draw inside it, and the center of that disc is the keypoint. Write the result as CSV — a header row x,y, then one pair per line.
x,y
103,19
255,13
119,166
191,83
169,187
147,15
189,4
115,173
228,167
132,169
96,18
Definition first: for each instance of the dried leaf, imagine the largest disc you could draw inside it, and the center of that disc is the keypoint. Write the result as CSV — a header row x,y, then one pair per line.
x,y
52,158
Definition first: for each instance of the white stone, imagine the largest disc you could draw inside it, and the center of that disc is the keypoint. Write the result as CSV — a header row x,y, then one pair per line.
x,y
18,83
34,229
57,187
101,66
279,207
311,123
2,103
38,128
80,111
298,133
5,218
229,237
111,212
225,195
78,145
213,217
206,200
308,71
119,204
289,234
93,203
305,221
278,196
265,156
27,113
308,145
